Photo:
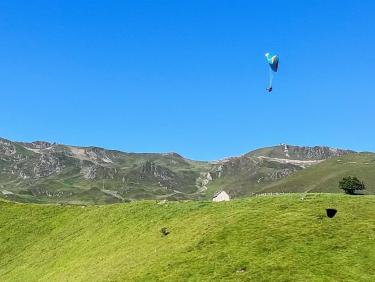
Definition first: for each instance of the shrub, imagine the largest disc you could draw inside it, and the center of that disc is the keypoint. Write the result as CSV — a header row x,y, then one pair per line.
x,y
350,184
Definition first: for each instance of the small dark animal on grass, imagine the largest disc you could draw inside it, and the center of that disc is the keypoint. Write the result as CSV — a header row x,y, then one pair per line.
x,y
164,231
331,212
242,269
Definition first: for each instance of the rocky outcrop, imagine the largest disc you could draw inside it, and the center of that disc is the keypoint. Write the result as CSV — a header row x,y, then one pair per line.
x,y
315,153
89,172
46,165
7,148
203,180
164,176
284,151
38,145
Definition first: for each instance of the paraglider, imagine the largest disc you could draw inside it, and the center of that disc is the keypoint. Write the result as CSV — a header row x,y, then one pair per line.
x,y
273,62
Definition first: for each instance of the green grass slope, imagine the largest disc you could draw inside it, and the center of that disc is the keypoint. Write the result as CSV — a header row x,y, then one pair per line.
x,y
268,238
325,176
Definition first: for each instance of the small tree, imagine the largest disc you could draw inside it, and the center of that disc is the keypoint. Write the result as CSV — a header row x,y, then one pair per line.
x,y
350,184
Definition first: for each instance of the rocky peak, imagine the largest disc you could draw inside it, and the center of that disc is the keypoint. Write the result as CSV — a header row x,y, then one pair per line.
x,y
39,145
313,153
302,153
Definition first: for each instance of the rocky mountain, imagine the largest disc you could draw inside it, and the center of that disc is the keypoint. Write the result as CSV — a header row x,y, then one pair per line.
x,y
46,172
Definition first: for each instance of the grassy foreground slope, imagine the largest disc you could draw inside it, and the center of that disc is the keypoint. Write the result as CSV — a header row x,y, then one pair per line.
x,y
270,238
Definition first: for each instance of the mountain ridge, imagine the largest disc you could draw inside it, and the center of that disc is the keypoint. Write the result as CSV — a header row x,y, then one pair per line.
x,y
41,171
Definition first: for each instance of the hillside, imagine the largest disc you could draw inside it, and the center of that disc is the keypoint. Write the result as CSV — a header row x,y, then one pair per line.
x,y
258,170
43,172
279,238
324,177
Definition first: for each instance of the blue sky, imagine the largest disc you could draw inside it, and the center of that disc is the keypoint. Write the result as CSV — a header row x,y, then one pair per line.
x,y
188,76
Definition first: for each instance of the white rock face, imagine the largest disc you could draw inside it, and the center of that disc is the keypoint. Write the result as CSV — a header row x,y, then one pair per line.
x,y
203,180
89,172
89,154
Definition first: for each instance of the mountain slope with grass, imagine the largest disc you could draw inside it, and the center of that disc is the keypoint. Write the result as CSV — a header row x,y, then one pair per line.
x,y
280,238
43,172
269,169
325,176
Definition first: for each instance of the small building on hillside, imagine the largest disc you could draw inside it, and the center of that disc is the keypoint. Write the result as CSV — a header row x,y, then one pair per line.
x,y
221,196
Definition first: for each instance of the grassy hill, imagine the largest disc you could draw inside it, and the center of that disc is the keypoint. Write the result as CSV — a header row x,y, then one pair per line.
x,y
325,176
253,175
259,239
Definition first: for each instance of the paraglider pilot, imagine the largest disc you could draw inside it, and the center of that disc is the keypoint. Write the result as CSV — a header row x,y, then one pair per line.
x,y
273,62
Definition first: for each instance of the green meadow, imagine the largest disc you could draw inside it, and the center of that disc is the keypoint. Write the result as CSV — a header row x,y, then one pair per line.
x,y
269,238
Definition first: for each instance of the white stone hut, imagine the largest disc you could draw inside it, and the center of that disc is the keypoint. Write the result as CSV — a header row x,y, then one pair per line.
x,y
221,196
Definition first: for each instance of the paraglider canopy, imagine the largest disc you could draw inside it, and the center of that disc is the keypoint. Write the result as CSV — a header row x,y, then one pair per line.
x,y
273,62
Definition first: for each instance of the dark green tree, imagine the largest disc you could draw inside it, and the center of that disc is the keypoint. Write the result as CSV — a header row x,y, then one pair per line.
x,y
351,184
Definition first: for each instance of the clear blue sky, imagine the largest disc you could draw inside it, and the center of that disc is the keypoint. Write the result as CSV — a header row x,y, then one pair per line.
x,y
188,76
